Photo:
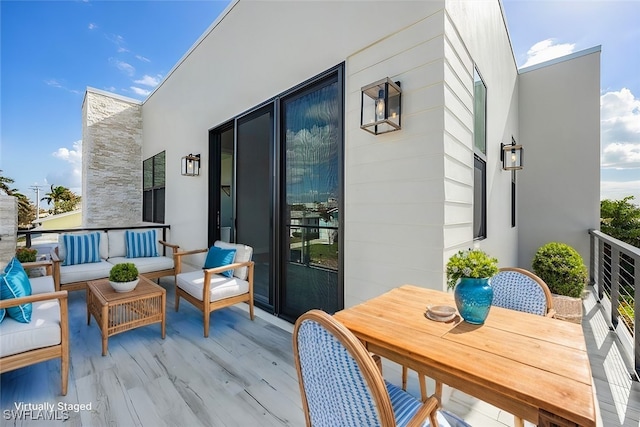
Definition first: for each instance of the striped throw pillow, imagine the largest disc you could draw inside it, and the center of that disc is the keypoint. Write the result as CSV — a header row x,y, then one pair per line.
x,y
81,248
141,245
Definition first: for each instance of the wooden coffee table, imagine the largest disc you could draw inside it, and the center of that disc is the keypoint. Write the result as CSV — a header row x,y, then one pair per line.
x,y
118,312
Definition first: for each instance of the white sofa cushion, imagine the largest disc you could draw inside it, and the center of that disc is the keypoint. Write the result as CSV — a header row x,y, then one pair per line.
x,y
42,331
117,244
84,272
147,264
104,245
221,286
42,284
243,254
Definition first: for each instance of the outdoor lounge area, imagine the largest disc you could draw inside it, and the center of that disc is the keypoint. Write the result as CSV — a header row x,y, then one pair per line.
x,y
243,374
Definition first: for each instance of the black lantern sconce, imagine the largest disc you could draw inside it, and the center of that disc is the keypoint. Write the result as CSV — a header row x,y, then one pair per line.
x,y
511,156
380,107
191,165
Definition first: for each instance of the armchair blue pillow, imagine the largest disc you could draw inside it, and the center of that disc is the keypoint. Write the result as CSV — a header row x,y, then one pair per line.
x,y
217,257
14,283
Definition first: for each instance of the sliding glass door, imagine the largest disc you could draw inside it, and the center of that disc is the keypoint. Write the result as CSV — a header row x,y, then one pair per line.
x,y
276,185
311,137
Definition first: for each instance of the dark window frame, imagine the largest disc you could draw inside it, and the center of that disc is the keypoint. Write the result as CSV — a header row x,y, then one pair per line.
x,y
153,190
480,159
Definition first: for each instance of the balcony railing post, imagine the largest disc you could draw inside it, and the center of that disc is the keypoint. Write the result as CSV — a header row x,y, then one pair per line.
x,y
636,318
600,277
615,285
592,259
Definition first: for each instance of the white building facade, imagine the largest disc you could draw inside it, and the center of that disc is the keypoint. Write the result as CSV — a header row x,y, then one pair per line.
x,y
270,98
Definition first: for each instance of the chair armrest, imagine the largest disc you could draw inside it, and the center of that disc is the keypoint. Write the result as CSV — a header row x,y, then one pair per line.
x,y
56,267
35,264
428,409
60,295
174,248
233,266
551,313
177,258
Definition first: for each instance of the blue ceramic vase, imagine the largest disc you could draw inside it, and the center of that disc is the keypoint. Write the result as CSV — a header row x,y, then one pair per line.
x,y
473,299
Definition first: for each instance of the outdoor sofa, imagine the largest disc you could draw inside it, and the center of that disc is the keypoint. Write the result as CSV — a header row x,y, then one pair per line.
x,y
85,256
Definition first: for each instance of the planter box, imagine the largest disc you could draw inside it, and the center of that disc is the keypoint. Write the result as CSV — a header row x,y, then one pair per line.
x,y
567,308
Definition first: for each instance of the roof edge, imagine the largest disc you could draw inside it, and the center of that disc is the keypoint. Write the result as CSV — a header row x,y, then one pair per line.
x,y
111,95
560,59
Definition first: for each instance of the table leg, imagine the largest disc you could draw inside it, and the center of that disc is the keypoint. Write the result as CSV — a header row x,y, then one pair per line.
x,y
164,314
88,304
103,329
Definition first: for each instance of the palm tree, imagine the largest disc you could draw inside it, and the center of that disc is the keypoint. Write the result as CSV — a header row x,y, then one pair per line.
x,y
55,196
63,199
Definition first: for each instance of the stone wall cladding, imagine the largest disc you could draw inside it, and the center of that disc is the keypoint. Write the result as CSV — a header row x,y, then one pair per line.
x,y
8,228
111,161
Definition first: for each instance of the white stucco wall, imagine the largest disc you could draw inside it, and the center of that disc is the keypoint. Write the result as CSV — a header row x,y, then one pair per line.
x,y
408,194
393,182
246,59
111,160
476,34
560,131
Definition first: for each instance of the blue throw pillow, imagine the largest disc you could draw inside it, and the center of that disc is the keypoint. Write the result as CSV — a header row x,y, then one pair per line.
x,y
14,283
141,245
217,257
81,248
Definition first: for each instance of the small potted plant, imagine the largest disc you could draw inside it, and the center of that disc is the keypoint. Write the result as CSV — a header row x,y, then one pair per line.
x,y
123,277
26,254
469,273
563,270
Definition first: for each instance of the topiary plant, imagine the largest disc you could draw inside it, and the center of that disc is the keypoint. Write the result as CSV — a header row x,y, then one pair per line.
x,y
562,268
26,254
123,272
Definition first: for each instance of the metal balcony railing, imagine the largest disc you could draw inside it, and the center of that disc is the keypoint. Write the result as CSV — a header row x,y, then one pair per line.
x,y
615,275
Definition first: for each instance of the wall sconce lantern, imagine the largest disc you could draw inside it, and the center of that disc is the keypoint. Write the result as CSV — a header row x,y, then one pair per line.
x,y
380,108
511,156
191,165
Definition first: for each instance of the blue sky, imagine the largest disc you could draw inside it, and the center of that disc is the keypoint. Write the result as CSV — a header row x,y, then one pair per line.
x,y
52,50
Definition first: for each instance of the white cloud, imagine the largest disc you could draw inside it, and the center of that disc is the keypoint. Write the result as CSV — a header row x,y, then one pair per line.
x,y
546,50
70,177
142,58
149,80
620,127
59,85
140,91
92,26
73,156
123,66
53,82
615,190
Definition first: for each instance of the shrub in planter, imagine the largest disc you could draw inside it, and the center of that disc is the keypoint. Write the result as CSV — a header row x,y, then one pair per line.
x,y
124,272
26,254
562,268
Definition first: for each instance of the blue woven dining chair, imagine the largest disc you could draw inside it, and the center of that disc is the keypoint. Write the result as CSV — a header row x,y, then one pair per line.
x,y
341,385
521,290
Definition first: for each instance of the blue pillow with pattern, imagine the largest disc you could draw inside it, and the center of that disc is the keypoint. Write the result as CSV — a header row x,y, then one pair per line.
x,y
217,257
14,283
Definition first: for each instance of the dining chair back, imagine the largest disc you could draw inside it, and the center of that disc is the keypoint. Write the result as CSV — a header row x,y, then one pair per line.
x,y
340,383
521,290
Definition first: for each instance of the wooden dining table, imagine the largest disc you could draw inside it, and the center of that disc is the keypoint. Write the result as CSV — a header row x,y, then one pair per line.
x,y
533,367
